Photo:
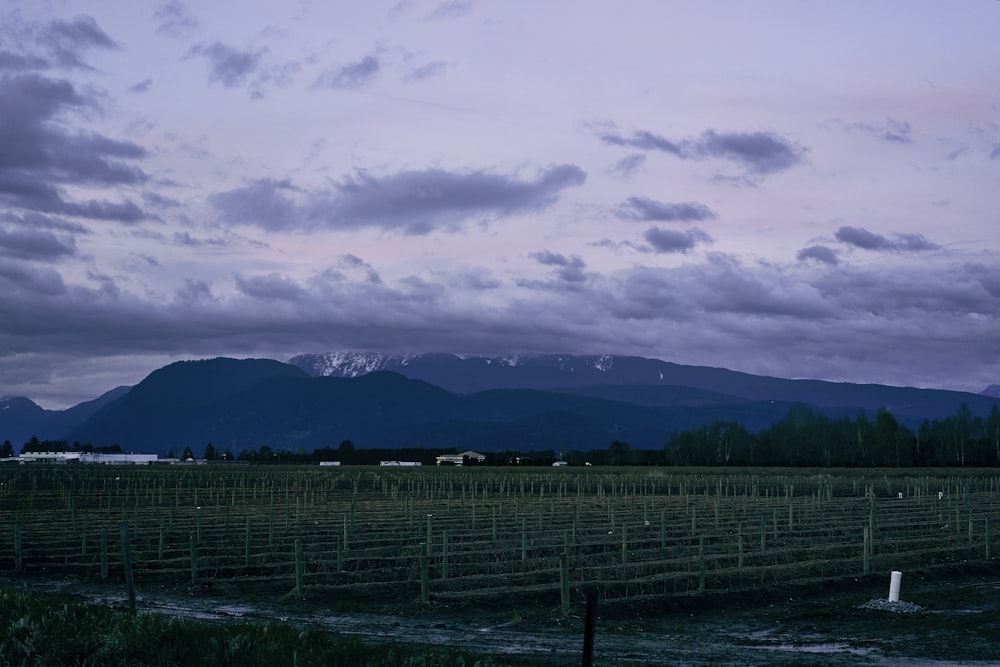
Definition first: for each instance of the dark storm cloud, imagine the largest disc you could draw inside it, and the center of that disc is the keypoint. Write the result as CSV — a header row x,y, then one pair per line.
x,y
643,209
31,244
39,154
760,153
351,76
569,269
414,202
230,67
173,19
16,62
270,287
860,237
19,278
819,253
669,240
417,202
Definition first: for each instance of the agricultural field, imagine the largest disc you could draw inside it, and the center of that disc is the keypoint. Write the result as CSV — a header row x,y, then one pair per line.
x,y
514,541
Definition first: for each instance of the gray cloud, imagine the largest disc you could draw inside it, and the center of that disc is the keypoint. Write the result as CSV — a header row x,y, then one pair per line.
x,y
68,41
451,9
995,152
819,253
892,131
569,269
17,62
431,70
264,203
760,153
669,240
31,244
40,155
173,19
230,67
629,164
643,209
351,76
270,287
140,87
643,140
860,237
414,202
25,281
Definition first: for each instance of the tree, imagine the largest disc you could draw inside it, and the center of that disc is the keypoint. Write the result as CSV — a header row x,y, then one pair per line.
x,y
188,455
210,453
6,450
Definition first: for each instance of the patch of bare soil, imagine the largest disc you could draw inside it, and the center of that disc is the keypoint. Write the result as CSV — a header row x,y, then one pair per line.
x,y
826,624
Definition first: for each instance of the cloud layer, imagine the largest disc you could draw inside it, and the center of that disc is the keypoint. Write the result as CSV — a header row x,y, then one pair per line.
x,y
182,180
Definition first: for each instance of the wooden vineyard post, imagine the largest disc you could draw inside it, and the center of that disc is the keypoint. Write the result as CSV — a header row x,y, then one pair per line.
x,y
494,523
987,529
564,582
104,554
127,567
430,542
739,546
299,569
425,595
18,562
83,537
246,545
524,541
701,563
444,554
624,542
866,557
340,555
193,548
162,541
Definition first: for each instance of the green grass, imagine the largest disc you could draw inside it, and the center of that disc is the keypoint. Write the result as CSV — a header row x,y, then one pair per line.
x,y
48,629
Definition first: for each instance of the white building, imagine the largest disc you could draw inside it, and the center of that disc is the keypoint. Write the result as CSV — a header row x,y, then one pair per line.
x,y
465,458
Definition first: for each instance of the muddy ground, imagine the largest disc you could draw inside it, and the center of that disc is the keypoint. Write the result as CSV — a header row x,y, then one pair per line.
x,y
817,625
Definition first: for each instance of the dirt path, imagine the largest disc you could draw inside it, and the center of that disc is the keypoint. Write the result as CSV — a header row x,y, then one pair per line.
x,y
960,624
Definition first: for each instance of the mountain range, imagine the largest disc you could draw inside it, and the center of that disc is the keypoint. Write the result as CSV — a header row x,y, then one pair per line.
x,y
440,400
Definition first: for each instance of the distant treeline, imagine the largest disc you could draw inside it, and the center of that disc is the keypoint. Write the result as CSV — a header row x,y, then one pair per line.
x,y
803,438
807,438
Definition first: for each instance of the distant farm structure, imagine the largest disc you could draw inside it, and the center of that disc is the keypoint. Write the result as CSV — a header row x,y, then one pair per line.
x,y
465,458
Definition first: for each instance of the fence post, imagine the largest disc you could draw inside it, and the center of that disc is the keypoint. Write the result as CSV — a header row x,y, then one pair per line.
x,y
299,569
564,582
18,561
127,566
193,548
425,595
444,554
104,554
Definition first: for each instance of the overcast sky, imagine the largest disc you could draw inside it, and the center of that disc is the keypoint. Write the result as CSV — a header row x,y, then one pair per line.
x,y
788,188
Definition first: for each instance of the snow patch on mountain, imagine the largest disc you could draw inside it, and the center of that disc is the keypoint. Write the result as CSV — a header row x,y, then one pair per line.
x,y
347,364
992,391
